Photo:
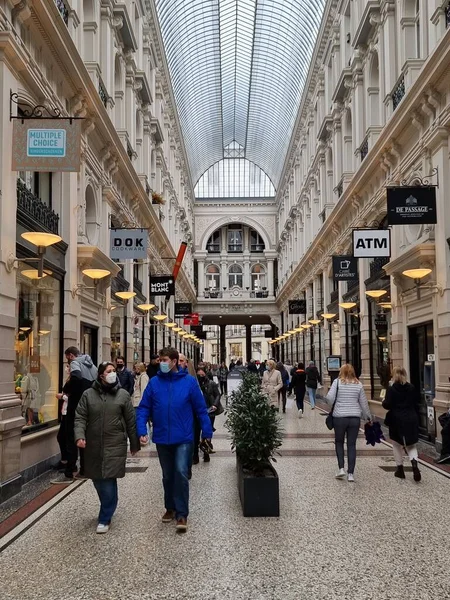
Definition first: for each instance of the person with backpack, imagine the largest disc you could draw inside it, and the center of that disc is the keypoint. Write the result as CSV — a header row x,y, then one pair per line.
x,y
312,380
298,384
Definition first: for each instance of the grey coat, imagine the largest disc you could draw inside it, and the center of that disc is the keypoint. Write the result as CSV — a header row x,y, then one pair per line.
x,y
104,419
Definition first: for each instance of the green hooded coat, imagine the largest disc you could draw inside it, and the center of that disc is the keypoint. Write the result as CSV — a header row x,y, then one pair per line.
x,y
105,418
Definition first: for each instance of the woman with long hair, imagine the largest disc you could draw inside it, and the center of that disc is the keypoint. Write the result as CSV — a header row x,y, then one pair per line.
x,y
350,404
402,403
103,421
272,383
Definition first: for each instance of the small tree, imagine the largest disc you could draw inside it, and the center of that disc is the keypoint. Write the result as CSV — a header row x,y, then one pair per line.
x,y
254,426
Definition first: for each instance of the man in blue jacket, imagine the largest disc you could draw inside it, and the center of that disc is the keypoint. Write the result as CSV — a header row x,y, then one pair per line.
x,y
170,401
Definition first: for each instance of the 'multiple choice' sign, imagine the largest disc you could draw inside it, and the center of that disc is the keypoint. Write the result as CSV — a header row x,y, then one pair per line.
x,y
46,142
129,244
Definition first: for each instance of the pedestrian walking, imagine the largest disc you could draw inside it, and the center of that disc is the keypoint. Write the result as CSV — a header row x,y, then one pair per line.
x,y
103,421
272,384
298,385
211,394
170,401
153,366
312,381
402,402
125,376
223,378
282,394
140,383
349,404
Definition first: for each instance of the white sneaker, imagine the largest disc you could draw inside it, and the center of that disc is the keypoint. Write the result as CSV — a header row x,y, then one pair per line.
x,y
341,474
102,528
351,478
300,413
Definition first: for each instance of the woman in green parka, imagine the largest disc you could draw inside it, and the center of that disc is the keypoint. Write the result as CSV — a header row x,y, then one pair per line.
x,y
104,419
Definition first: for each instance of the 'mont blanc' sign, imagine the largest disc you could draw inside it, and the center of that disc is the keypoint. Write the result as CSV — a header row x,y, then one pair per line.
x,y
162,285
371,243
46,145
129,244
411,205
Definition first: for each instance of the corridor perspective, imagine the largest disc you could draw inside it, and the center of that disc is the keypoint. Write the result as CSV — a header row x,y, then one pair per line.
x,y
375,540
224,267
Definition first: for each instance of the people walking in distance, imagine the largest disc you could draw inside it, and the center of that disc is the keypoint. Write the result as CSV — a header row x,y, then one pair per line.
x,y
153,366
83,373
349,402
140,383
312,381
223,378
402,402
182,361
170,401
262,368
272,384
125,376
211,394
282,394
232,365
252,368
104,419
298,385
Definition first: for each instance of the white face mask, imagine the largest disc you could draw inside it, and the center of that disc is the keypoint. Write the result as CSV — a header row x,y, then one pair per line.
x,y
111,378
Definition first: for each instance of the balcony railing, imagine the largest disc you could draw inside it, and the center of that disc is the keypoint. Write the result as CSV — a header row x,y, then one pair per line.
x,y
257,247
234,247
213,248
376,266
364,149
398,92
33,207
447,15
339,188
103,93
259,294
213,294
63,10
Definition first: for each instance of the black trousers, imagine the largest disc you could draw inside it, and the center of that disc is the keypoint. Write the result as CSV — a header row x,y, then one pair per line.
x,y
62,439
72,449
282,394
224,387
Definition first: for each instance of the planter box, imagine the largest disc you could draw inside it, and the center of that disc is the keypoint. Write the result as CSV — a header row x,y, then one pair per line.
x,y
260,496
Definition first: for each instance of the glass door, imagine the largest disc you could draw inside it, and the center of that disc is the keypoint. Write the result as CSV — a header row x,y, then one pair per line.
x,y
89,342
420,345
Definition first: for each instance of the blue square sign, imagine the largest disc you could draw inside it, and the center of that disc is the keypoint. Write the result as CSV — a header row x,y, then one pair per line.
x,y
42,143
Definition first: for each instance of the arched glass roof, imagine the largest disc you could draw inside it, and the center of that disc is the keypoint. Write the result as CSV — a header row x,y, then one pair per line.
x,y
238,68
234,178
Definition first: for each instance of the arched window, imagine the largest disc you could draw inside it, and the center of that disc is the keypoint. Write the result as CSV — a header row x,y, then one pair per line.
x,y
213,244
235,276
258,278
213,277
92,226
256,242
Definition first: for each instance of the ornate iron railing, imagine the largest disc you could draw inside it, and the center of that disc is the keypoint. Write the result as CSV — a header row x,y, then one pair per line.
x,y
63,10
340,188
334,296
447,15
364,149
103,93
33,207
129,150
376,266
398,92
137,285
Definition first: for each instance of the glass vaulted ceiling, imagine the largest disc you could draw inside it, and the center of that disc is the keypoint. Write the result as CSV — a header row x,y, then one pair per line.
x,y
238,68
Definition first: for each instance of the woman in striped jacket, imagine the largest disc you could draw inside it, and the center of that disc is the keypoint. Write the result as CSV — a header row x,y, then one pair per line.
x,y
351,405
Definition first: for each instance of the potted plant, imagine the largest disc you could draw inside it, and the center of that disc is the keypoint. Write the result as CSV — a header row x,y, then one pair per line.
x,y
157,198
256,435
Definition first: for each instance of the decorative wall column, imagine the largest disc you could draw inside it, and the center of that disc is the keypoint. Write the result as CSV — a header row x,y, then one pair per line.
x,y
248,342
270,277
222,343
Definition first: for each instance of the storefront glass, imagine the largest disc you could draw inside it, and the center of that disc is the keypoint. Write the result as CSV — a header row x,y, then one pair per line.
x,y
117,333
37,346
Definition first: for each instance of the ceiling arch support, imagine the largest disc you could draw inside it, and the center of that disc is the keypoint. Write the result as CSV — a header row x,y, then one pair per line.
x,y
268,241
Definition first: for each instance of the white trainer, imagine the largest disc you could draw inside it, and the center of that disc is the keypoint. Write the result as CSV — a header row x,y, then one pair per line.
x,y
340,474
102,528
351,478
300,413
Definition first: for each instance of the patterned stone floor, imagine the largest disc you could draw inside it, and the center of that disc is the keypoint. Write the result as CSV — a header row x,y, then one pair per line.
x,y
377,539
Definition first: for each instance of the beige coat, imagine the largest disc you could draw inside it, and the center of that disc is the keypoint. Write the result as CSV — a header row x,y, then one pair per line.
x,y
140,383
271,383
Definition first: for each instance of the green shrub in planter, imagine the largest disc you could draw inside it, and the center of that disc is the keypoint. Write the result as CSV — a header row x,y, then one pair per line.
x,y
254,426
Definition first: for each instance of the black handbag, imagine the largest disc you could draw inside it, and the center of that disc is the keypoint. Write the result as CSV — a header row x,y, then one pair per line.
x,y
329,420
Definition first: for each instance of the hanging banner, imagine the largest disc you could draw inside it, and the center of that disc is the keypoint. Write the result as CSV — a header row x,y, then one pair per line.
x,y
408,205
129,244
193,319
162,285
46,145
182,309
345,268
371,243
297,307
179,260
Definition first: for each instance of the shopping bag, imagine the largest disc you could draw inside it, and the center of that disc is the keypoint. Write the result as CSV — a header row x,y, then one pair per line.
x,y
290,402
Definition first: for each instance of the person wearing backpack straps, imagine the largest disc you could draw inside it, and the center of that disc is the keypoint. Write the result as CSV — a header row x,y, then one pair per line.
x,y
350,404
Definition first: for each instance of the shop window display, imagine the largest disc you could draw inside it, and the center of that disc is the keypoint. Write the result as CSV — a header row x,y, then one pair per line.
x,y
37,346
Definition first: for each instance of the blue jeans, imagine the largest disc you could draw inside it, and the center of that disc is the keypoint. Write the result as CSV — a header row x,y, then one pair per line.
x,y
175,461
108,494
312,396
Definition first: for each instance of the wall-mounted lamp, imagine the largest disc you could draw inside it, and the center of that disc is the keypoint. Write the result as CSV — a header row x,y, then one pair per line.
x,y
40,239
177,329
314,321
159,318
96,275
145,306
170,325
34,274
306,325
347,305
375,294
328,315
417,275
385,305
125,295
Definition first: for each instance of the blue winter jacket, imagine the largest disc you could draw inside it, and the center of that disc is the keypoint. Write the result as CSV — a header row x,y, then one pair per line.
x,y
170,401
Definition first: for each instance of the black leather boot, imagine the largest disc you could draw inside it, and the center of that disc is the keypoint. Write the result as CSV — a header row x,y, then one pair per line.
x,y
416,472
400,472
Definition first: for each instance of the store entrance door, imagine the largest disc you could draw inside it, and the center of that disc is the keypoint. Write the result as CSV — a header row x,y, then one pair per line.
x,y
421,344
89,342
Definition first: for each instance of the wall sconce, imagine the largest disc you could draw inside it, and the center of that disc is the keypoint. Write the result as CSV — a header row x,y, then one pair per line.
x,y
328,316
146,306
298,329
96,275
306,325
170,325
385,305
347,305
375,294
159,318
34,274
40,239
314,321
177,329
125,295
417,275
